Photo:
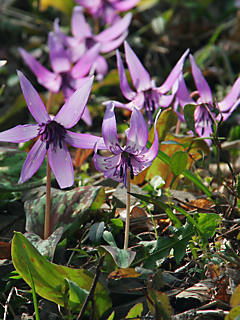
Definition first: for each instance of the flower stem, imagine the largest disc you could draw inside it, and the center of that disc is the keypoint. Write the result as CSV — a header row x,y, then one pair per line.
x,y
127,212
48,203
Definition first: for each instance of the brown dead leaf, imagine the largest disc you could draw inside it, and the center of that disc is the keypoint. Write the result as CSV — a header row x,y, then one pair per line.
x,y
81,156
5,250
124,273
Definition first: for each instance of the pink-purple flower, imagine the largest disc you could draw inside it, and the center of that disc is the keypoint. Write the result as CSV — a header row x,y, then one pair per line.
x,y
107,10
206,108
134,155
146,94
52,133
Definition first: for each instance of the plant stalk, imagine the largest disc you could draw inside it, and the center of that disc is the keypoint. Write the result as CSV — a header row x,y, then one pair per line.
x,y
127,212
49,101
48,203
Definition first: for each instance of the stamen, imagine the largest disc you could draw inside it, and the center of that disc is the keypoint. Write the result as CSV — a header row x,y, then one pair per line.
x,y
53,133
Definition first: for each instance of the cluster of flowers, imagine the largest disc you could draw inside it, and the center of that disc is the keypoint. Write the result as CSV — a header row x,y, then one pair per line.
x,y
74,60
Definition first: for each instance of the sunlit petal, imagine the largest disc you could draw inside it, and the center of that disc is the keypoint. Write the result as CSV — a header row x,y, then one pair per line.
x,y
84,140
20,133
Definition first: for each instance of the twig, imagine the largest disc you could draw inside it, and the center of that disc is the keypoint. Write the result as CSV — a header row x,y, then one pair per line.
x,y
48,203
7,305
92,289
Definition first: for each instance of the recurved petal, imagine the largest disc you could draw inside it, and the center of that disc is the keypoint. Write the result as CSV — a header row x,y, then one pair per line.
x,y
148,155
84,64
126,90
109,129
140,76
115,30
48,79
58,56
84,140
174,74
33,161
101,67
61,164
105,164
113,44
125,5
231,98
72,110
34,102
20,133
183,93
86,116
137,135
201,83
80,27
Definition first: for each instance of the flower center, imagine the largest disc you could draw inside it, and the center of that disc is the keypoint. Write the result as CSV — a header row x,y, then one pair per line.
x,y
53,133
126,164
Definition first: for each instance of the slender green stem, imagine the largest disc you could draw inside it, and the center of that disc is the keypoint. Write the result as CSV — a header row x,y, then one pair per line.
x,y
35,304
127,212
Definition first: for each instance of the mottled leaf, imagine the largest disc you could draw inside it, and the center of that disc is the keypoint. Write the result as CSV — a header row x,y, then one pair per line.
x,y
122,258
68,208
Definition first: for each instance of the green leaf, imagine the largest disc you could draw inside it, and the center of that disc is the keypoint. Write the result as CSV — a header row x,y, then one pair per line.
x,y
50,279
122,258
96,232
108,237
178,162
208,224
188,112
135,312
75,295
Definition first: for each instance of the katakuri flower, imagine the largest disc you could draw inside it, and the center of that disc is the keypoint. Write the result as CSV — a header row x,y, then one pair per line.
x,y
85,42
134,155
61,78
147,95
107,10
52,133
207,110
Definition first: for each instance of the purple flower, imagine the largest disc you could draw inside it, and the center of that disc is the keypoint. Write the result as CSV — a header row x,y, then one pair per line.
x,y
85,42
146,94
61,78
107,9
134,155
206,108
53,134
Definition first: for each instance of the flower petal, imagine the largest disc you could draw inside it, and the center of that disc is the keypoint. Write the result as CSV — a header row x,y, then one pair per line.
x,y
201,83
79,26
86,116
111,45
84,140
183,94
34,102
20,133
137,135
109,129
115,30
203,122
61,164
48,79
33,161
101,67
72,110
126,90
174,74
84,64
231,97
58,56
140,76
125,5
148,155
105,164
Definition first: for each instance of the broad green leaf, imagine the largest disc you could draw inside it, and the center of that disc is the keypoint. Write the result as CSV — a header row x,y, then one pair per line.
x,y
75,295
50,279
96,231
108,237
234,314
208,224
122,258
68,208
235,298
178,162
111,317
135,312
189,117
159,304
11,162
